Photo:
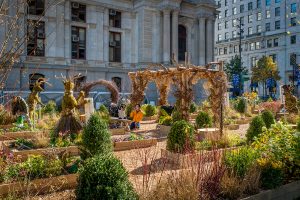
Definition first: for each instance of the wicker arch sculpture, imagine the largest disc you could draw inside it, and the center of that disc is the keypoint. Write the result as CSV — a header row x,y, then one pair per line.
x,y
184,78
111,86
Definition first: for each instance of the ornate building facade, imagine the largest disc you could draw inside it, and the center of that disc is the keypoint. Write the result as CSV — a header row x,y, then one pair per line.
x,y
105,39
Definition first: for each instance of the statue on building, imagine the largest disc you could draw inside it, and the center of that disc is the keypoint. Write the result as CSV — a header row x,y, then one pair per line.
x,y
290,100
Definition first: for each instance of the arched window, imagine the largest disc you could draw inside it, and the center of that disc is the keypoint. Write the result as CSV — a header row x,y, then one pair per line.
x,y
181,42
118,82
33,78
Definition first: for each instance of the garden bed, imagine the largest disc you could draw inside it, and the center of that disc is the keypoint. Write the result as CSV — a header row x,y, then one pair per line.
x,y
232,126
40,186
23,154
149,118
243,121
289,191
22,134
190,159
117,131
134,144
164,130
212,134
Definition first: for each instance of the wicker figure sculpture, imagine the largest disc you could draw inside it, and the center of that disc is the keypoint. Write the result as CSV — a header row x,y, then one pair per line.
x,y
69,122
290,100
33,99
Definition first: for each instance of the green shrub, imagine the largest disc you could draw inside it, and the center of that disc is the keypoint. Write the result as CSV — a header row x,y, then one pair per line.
x,y
268,118
271,177
203,120
176,116
255,128
149,110
35,166
241,160
50,107
54,168
298,125
128,109
104,177
96,138
181,137
104,113
240,105
193,108
12,172
165,120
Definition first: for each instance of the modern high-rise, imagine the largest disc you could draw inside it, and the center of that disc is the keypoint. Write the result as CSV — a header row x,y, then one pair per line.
x,y
269,27
105,39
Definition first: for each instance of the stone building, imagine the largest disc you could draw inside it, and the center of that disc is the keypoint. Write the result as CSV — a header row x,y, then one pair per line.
x,y
270,28
105,39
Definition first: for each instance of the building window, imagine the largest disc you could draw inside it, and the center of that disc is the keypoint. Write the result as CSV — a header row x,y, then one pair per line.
x,y
277,11
277,1
268,14
268,2
250,6
269,43
275,42
250,31
252,46
277,25
258,16
257,45
234,34
225,50
78,12
221,51
274,57
181,42
233,1
268,27
242,20
253,61
236,48
234,11
219,16
242,8
293,39
226,13
219,37
226,35
258,29
219,3
226,24
36,38
293,59
78,42
293,21
114,47
118,82
33,79
226,2
293,8
250,18
36,7
219,26
114,18
234,22
258,3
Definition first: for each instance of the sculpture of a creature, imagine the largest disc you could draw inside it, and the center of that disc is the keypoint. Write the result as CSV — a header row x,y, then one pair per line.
x,y
290,100
33,99
69,122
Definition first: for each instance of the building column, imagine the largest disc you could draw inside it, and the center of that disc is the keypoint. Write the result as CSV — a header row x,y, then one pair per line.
x,y
175,34
166,36
106,35
209,40
202,53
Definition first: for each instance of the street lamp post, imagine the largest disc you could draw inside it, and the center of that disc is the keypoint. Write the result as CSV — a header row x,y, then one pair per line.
x,y
240,33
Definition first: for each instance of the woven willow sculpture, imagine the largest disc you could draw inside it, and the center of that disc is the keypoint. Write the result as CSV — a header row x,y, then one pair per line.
x,y
184,78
